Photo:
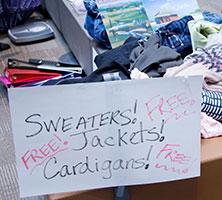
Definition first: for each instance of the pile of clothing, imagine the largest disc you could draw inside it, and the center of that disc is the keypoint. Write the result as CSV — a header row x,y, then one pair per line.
x,y
181,48
14,12
206,61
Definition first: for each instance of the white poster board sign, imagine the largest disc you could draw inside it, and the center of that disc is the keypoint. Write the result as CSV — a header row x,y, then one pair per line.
x,y
97,135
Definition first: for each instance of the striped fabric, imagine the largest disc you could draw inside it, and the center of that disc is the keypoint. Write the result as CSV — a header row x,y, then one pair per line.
x,y
212,104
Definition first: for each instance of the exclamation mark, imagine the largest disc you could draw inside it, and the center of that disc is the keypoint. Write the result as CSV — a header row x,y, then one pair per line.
x,y
65,142
134,110
148,157
161,131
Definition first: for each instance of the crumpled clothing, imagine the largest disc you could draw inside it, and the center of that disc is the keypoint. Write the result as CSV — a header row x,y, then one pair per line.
x,y
212,17
14,12
200,31
137,74
1,7
215,38
118,55
96,29
176,35
91,7
94,24
114,72
150,57
210,57
211,80
210,127
10,6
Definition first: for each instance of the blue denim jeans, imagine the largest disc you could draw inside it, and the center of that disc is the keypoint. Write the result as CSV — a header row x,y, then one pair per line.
x,y
94,24
176,35
212,17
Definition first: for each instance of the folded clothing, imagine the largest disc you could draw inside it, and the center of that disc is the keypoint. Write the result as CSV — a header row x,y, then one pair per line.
x,y
212,104
211,80
210,127
152,58
210,57
200,31
176,35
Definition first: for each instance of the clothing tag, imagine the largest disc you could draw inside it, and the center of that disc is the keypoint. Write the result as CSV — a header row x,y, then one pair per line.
x,y
111,76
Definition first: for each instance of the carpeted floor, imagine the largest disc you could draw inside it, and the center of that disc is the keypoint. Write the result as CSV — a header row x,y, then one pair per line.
x,y
51,50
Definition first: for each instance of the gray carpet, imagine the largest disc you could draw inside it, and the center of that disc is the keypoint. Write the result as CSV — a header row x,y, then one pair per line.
x,y
51,50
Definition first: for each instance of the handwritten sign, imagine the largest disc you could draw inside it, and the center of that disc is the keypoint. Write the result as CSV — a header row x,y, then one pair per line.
x,y
95,135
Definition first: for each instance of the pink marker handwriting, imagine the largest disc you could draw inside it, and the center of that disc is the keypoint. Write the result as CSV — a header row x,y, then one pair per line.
x,y
171,159
34,157
173,107
170,152
170,169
